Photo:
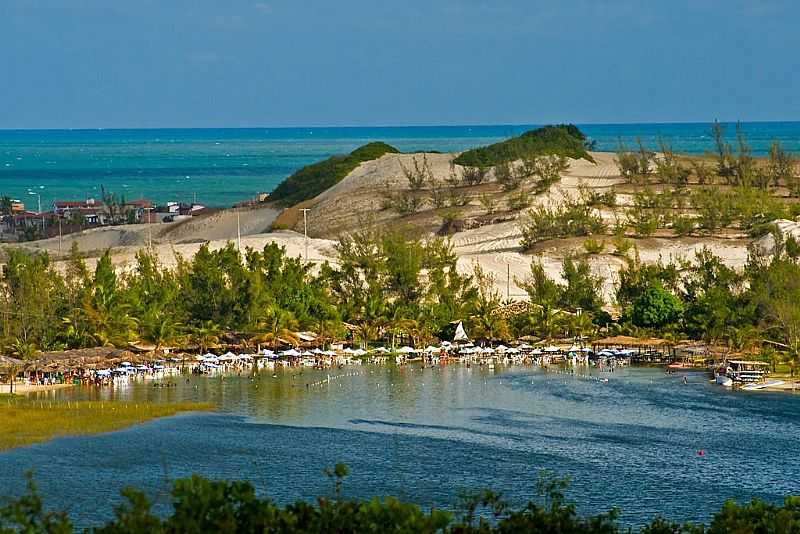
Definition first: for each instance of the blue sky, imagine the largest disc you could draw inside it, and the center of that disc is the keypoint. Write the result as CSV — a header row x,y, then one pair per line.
x,y
204,63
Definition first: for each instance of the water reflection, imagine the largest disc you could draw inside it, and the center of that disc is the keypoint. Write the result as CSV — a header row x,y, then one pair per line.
x,y
423,433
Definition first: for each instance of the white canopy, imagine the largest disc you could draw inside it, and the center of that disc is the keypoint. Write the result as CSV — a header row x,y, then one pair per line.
x,y
460,334
381,349
406,350
359,352
290,352
551,348
431,348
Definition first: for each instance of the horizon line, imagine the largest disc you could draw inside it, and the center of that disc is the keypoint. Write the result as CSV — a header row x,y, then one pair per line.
x,y
388,126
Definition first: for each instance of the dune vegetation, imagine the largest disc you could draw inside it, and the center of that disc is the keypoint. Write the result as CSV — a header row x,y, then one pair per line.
x,y
313,179
561,140
26,421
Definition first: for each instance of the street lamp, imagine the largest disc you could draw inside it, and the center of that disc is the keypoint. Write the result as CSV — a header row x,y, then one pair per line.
x,y
39,198
305,229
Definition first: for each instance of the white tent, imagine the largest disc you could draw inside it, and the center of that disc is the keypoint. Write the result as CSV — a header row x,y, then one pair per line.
x,y
431,348
551,348
383,350
359,352
501,348
406,350
290,352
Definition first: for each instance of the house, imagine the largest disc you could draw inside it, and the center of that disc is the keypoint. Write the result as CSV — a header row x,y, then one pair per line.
x,y
140,210
69,208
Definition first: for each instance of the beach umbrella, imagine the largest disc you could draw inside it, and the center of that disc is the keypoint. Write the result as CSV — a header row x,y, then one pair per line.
x,y
431,348
406,350
359,352
290,353
551,348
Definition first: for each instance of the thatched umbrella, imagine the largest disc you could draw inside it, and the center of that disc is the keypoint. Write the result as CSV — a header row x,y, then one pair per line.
x,y
90,358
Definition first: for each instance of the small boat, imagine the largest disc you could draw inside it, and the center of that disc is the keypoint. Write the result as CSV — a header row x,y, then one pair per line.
x,y
724,381
762,385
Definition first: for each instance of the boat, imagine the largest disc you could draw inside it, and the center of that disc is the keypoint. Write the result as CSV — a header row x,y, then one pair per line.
x,y
724,381
747,371
762,385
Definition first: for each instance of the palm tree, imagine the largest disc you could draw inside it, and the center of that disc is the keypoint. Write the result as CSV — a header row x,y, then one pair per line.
x,y
159,328
24,350
276,326
206,335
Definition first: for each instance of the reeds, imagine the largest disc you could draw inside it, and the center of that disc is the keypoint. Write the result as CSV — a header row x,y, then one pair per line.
x,y
24,422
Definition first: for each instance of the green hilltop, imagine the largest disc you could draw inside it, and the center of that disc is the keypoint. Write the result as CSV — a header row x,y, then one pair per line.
x,y
562,140
313,179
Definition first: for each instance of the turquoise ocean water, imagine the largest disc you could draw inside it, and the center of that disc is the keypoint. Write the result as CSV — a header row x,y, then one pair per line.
x,y
219,167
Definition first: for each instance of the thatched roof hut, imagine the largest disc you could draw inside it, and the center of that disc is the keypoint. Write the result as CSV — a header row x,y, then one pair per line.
x,y
92,358
635,342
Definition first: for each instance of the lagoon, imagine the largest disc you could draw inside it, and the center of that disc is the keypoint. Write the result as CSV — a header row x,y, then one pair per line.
x,y
426,434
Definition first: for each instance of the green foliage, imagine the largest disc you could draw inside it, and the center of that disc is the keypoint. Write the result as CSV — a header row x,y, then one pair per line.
x,y
593,246
656,308
488,202
202,505
473,175
562,140
634,166
566,219
419,175
313,179
520,201
668,168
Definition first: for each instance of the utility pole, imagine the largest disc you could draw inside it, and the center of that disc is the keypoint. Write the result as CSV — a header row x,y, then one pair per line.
x,y
60,247
149,222
238,231
305,229
508,281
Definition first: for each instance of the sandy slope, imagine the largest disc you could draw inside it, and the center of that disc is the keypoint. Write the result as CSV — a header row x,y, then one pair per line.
x,y
356,202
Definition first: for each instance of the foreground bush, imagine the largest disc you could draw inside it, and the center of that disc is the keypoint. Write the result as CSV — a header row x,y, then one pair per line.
x,y
200,505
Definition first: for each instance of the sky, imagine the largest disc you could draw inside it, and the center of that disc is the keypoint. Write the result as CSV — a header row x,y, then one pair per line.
x,y
238,63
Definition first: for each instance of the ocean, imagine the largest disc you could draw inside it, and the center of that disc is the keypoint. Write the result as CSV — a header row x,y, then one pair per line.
x,y
218,167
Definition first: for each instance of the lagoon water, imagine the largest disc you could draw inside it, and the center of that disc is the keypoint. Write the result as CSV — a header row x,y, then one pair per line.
x,y
426,434
219,167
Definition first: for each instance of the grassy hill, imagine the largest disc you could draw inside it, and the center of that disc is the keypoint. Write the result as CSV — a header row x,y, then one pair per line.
x,y
313,179
563,139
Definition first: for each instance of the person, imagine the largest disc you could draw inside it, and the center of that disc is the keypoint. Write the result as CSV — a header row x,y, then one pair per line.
x,y
685,379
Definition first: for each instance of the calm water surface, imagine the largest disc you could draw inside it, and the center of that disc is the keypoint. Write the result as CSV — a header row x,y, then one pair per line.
x,y
426,434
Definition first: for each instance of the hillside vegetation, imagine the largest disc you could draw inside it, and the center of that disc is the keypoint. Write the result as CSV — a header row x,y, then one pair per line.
x,y
313,179
560,140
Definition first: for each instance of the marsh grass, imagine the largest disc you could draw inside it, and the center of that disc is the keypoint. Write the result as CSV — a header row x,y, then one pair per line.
x,y
24,422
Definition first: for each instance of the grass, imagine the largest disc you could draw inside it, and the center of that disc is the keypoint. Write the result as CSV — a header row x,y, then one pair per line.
x,y
313,179
561,140
24,422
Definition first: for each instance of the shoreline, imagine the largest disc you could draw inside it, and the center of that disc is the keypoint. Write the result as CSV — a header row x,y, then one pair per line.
x,y
5,389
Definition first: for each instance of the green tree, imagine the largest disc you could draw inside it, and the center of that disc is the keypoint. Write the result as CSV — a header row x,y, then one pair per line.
x,y
656,308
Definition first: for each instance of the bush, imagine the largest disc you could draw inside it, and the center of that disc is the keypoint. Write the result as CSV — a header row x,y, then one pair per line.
x,y
420,175
563,140
489,203
473,175
593,246
313,179
656,308
520,201
683,225
621,246
566,219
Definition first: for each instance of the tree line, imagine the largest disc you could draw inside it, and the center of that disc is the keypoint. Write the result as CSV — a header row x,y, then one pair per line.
x,y
198,504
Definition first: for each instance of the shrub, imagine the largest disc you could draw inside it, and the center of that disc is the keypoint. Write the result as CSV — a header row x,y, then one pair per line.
x,y
566,219
489,203
593,246
418,176
563,140
473,175
683,225
520,201
668,168
621,246
313,179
